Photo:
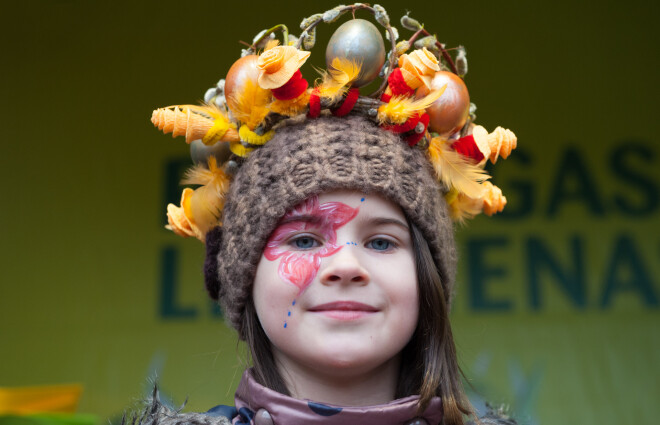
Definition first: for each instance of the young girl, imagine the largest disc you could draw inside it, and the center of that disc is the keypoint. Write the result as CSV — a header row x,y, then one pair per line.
x,y
333,257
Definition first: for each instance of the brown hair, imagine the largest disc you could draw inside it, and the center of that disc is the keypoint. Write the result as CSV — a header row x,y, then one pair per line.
x,y
429,366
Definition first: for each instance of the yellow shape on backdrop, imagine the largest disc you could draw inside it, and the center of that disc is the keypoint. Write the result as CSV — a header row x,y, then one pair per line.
x,y
40,399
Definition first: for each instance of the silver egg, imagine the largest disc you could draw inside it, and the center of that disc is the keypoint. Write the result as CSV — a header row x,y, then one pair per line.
x,y
199,152
360,41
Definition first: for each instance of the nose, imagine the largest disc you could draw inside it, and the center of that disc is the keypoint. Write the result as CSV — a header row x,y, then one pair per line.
x,y
344,267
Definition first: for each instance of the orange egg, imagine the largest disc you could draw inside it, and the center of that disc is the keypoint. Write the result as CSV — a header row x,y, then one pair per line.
x,y
450,112
243,70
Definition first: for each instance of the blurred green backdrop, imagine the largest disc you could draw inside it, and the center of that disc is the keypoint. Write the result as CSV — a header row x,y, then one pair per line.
x,y
557,312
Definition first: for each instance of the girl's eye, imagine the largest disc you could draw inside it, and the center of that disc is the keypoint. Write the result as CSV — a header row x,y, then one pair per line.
x,y
305,242
380,244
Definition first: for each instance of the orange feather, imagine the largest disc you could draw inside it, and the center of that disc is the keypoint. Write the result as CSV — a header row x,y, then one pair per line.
x,y
251,104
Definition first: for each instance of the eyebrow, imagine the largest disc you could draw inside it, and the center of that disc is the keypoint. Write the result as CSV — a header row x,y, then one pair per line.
x,y
379,221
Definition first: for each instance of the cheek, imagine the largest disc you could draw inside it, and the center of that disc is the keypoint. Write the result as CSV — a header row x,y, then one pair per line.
x,y
402,287
299,269
271,295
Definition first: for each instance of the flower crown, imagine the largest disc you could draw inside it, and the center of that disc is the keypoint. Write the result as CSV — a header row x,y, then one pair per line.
x,y
422,98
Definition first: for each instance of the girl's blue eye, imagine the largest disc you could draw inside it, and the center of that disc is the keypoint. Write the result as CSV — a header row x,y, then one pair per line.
x,y
380,244
305,242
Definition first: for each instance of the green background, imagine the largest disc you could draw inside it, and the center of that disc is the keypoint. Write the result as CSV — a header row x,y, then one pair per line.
x,y
557,311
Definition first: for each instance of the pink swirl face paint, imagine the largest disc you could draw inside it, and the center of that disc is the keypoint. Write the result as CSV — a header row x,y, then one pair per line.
x,y
300,267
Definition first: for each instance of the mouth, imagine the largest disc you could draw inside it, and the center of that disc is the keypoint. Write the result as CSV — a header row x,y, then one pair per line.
x,y
344,310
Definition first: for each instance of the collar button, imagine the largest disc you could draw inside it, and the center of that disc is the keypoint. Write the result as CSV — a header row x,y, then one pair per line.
x,y
263,418
417,421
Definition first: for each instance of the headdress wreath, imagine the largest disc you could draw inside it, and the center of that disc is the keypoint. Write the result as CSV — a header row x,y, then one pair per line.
x,y
422,98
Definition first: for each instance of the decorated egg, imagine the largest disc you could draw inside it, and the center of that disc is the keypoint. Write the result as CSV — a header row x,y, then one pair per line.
x,y
200,153
242,71
358,40
449,113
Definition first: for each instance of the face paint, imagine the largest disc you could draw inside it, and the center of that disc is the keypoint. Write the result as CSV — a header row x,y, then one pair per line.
x,y
300,267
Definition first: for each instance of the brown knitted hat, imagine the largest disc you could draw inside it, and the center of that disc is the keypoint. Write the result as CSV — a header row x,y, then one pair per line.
x,y
307,159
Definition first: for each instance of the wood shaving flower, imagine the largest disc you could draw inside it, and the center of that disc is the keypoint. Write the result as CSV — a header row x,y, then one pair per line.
x,y
494,200
502,141
498,143
418,67
277,65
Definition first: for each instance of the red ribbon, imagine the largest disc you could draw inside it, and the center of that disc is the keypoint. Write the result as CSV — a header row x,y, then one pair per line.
x,y
467,147
314,104
348,103
410,124
398,85
292,89
415,137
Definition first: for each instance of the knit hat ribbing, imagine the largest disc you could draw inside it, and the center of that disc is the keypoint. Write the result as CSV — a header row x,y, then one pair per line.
x,y
310,158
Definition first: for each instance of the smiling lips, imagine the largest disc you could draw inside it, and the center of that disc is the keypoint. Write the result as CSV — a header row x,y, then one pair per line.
x,y
344,310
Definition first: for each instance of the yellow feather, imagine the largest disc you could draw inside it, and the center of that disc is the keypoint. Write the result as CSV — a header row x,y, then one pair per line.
x,y
456,171
344,71
200,175
463,208
400,108
339,77
208,200
291,107
251,104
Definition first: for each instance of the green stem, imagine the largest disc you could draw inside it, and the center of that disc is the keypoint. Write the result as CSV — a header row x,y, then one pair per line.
x,y
285,32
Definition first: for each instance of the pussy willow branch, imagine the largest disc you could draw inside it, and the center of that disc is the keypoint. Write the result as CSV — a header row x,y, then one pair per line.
x,y
412,39
390,66
351,8
393,57
439,45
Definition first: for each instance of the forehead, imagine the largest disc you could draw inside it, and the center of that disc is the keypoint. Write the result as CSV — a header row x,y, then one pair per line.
x,y
371,204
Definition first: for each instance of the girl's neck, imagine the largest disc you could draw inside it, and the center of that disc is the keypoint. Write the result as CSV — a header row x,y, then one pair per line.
x,y
344,388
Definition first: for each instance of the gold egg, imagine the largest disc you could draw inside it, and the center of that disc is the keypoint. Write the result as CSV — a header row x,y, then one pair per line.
x,y
358,40
243,70
449,113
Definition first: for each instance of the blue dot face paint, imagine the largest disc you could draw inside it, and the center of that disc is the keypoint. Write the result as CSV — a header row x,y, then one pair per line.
x,y
288,313
362,199
285,325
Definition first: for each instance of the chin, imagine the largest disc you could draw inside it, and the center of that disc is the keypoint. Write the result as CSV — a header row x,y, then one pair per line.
x,y
345,363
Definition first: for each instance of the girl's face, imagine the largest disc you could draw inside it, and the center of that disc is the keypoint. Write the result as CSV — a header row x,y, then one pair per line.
x,y
336,287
